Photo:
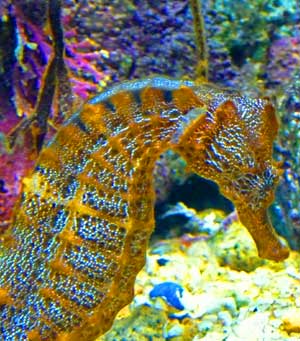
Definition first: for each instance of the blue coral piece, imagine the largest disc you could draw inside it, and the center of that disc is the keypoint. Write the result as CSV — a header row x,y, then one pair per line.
x,y
171,292
162,261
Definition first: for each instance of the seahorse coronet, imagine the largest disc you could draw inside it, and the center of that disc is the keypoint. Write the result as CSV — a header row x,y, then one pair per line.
x,y
82,224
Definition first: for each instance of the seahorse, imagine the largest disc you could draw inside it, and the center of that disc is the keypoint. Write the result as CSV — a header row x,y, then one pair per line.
x,y
81,227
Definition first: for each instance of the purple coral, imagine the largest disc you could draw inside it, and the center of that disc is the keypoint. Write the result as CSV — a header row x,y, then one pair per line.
x,y
284,60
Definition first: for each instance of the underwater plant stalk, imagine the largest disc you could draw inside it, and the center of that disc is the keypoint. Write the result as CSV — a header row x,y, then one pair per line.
x,y
202,51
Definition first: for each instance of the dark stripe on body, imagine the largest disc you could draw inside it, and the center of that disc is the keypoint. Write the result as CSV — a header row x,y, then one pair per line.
x,y
168,95
80,124
109,105
137,97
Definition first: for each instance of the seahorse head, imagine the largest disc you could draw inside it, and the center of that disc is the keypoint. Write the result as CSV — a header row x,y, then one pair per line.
x,y
232,144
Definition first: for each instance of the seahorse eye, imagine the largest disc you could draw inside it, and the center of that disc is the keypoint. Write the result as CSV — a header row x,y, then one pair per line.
x,y
268,173
269,177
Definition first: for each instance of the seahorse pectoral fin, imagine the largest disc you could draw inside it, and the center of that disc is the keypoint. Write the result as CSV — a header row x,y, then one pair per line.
x,y
259,226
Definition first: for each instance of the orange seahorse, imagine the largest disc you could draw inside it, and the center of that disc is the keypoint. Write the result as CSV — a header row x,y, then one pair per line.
x,y
81,227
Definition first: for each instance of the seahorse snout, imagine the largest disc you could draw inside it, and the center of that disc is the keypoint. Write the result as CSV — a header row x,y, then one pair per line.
x,y
259,226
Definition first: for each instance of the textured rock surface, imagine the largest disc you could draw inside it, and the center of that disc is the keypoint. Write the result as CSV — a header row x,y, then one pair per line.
x,y
223,296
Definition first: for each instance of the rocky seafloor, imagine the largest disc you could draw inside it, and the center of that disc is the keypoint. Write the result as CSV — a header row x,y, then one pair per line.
x,y
212,288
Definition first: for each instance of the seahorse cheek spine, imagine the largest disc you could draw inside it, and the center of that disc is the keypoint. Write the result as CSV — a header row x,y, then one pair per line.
x,y
81,229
